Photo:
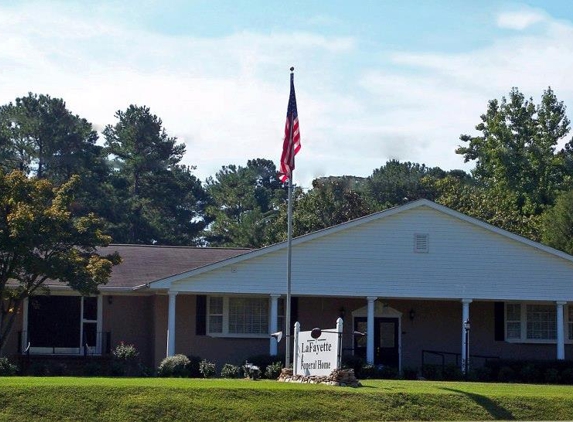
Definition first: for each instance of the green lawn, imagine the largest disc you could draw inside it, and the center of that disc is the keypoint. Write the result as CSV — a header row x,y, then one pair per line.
x,y
117,399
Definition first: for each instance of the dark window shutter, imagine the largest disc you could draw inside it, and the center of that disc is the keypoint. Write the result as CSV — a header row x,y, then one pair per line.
x,y
201,315
293,310
498,311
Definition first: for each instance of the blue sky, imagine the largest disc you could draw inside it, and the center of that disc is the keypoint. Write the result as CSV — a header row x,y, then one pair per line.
x,y
375,80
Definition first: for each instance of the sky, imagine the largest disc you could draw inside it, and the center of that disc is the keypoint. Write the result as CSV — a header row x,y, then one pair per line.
x,y
375,80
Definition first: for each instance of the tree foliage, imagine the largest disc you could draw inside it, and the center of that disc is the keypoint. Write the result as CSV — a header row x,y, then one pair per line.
x,y
516,151
156,200
244,201
41,239
558,224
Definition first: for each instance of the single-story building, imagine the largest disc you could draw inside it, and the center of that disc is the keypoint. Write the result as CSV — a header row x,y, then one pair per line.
x,y
410,277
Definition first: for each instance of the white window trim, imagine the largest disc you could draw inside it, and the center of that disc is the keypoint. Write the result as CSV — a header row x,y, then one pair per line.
x,y
523,323
225,333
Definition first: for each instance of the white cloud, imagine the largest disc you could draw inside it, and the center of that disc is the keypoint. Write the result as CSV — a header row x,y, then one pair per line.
x,y
520,20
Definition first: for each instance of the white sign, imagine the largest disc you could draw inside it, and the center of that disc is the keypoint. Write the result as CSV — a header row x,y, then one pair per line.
x,y
317,352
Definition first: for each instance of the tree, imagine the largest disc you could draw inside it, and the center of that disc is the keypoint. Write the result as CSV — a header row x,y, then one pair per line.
x,y
557,229
41,239
396,183
40,136
157,200
516,151
244,201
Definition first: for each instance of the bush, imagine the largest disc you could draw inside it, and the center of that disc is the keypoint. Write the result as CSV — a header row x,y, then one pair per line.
x,y
410,373
530,374
230,371
452,372
506,374
273,370
552,376
262,361
353,362
174,366
194,366
207,369
125,358
92,369
251,371
432,372
6,368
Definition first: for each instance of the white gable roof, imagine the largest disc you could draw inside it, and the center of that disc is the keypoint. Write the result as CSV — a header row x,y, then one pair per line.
x,y
374,256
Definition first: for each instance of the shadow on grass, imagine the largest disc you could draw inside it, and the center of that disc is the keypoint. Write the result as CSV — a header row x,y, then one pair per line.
x,y
496,411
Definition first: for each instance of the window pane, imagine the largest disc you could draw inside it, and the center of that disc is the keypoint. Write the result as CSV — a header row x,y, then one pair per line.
x,y
90,308
513,311
541,322
248,315
513,330
215,324
513,321
215,306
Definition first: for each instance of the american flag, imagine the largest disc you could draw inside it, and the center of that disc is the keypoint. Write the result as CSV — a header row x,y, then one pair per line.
x,y
291,143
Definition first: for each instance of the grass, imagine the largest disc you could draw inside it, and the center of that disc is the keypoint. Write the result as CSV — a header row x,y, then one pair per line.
x,y
137,399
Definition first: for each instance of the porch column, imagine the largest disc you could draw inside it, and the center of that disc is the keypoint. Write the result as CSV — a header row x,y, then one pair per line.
x,y
560,331
171,324
465,335
274,324
25,335
370,330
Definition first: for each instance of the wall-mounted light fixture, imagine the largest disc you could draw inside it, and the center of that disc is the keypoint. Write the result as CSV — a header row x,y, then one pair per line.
x,y
110,300
412,314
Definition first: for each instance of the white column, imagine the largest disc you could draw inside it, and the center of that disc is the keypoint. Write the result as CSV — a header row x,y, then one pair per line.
x,y
465,338
340,331
370,331
171,324
99,324
274,324
560,331
25,335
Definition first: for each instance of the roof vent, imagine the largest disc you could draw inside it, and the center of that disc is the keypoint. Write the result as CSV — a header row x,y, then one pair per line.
x,y
421,242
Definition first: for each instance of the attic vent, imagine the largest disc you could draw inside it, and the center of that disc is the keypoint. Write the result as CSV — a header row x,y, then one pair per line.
x,y
421,242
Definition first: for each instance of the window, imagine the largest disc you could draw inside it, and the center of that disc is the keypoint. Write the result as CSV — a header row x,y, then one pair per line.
x,y
535,322
241,316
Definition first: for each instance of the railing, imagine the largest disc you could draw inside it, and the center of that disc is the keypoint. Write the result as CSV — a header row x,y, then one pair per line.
x,y
454,358
26,346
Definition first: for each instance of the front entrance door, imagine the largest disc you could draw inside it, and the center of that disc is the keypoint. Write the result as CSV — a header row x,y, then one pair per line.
x,y
386,341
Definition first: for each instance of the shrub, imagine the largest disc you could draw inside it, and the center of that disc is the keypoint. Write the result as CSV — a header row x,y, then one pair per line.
x,y
506,374
387,372
6,368
92,369
353,362
174,366
366,371
262,361
273,370
207,369
251,371
452,372
432,372
552,376
194,366
567,376
38,369
530,373
125,358
410,373
230,371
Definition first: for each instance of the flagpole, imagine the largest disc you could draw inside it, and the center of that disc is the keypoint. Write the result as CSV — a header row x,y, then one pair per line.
x,y
289,261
